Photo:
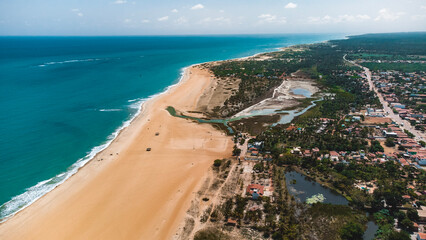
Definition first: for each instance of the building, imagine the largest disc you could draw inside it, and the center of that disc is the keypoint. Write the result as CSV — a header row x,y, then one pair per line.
x,y
421,236
422,214
231,222
390,134
334,156
256,189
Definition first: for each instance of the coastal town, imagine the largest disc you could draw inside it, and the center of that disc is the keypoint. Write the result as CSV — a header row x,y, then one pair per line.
x,y
370,153
213,120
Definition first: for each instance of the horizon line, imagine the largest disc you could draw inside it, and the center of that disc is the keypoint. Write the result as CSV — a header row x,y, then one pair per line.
x,y
212,34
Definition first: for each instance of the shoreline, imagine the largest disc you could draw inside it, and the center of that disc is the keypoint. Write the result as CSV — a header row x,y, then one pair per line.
x,y
88,159
61,201
96,150
39,190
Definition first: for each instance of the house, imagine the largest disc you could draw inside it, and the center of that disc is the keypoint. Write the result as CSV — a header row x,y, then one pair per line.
x,y
398,105
295,150
422,214
254,189
390,134
307,153
406,197
334,156
231,222
291,128
421,236
415,227
403,162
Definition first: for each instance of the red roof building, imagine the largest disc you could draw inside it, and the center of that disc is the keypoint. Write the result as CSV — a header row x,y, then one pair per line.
x,y
255,188
421,236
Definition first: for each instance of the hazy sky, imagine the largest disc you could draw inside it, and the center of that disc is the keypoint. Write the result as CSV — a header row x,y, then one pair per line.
x,y
163,17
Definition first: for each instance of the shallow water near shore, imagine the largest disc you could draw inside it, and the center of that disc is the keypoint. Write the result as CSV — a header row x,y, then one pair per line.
x,y
63,99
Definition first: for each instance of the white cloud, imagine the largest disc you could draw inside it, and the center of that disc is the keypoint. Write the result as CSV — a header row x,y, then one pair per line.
x,y
386,15
351,18
146,21
174,10
291,5
418,17
363,17
218,19
423,7
221,11
127,20
77,12
198,6
181,20
120,2
161,19
268,18
338,19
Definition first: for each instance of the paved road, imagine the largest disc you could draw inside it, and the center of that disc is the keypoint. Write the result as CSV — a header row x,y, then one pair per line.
x,y
404,124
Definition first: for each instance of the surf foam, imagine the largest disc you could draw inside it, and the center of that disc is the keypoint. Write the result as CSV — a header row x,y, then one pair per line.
x,y
32,194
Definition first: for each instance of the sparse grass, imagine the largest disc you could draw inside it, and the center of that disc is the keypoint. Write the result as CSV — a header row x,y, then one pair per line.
x,y
210,234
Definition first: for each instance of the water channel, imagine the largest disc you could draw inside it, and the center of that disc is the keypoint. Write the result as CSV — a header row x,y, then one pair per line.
x,y
286,115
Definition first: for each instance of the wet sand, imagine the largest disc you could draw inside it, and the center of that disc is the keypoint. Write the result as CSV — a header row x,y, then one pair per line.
x,y
127,192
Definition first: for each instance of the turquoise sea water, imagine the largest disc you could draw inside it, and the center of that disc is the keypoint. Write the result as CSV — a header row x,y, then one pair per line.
x,y
62,99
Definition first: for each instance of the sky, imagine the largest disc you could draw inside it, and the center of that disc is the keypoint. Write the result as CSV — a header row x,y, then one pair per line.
x,y
196,17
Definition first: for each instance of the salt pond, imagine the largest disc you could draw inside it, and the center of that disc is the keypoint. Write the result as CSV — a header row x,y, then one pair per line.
x,y
301,91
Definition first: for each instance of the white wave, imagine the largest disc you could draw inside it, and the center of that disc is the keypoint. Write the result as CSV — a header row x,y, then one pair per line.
x,y
32,194
110,110
70,61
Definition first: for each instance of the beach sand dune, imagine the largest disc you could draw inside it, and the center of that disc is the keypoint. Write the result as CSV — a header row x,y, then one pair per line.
x,y
127,192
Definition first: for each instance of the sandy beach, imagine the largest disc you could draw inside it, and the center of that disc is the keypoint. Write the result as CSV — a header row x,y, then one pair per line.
x,y
127,192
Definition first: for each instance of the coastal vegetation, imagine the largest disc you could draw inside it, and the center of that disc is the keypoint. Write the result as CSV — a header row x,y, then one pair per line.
x,y
328,143
258,78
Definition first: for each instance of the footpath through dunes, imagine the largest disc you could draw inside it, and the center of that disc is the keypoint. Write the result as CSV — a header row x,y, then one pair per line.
x,y
127,192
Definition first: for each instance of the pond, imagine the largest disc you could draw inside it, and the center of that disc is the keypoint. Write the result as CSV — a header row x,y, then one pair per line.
x,y
303,188
371,230
286,115
302,91
289,115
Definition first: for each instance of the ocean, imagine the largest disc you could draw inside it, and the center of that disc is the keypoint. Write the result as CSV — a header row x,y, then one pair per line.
x,y
63,99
